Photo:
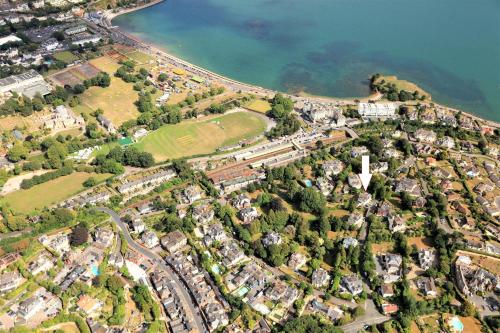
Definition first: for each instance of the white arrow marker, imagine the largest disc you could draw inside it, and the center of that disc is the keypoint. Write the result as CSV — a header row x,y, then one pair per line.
x,y
365,174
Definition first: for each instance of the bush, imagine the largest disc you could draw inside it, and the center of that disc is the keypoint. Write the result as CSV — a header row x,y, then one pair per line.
x,y
35,180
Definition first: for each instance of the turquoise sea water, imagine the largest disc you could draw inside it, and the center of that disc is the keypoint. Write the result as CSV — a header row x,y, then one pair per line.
x,y
330,47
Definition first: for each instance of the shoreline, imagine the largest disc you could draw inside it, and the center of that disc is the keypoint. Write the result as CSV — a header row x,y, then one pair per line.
x,y
156,50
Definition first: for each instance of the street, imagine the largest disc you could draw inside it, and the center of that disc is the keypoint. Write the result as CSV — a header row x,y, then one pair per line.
x,y
182,291
371,317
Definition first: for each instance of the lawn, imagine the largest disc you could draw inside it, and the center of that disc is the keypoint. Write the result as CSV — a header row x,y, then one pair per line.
x,y
471,325
201,136
382,247
420,242
139,57
31,123
66,56
488,262
259,105
49,193
68,327
117,100
105,64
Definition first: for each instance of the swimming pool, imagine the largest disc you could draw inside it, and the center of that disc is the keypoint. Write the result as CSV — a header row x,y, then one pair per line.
x,y
216,269
94,270
456,324
242,291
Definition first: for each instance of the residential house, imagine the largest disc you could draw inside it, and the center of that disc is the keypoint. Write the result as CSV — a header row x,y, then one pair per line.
x,y
388,308
283,293
241,201
324,185
192,193
353,284
146,182
427,286
145,208
392,153
10,281
446,142
30,307
332,167
377,109
391,265
138,225
248,215
231,254
356,219
106,123
379,167
426,258
8,259
396,223
60,243
364,199
150,239
203,213
297,261
173,241
359,151
331,312
89,305
349,241
40,265
385,209
320,278
386,290
442,173
214,233
272,238
354,181
116,260
426,136
409,186
216,315
104,237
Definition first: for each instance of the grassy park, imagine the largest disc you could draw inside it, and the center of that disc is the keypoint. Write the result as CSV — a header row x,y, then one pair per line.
x,y
49,193
258,105
66,56
117,101
201,136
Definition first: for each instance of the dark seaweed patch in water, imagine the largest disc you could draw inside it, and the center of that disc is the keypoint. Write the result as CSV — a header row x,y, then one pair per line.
x,y
258,29
194,14
296,78
336,53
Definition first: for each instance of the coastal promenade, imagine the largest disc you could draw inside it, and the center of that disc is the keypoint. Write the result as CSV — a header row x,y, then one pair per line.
x,y
121,36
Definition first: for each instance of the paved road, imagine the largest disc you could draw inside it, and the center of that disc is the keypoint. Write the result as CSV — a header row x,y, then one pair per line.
x,y
371,317
182,292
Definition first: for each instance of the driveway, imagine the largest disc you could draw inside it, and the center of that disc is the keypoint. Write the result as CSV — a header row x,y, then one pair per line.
x,y
371,317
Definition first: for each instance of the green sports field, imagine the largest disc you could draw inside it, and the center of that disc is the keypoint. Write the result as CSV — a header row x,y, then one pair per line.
x,y
201,136
49,193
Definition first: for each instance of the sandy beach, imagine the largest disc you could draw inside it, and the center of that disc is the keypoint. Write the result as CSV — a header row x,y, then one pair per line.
x,y
235,85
